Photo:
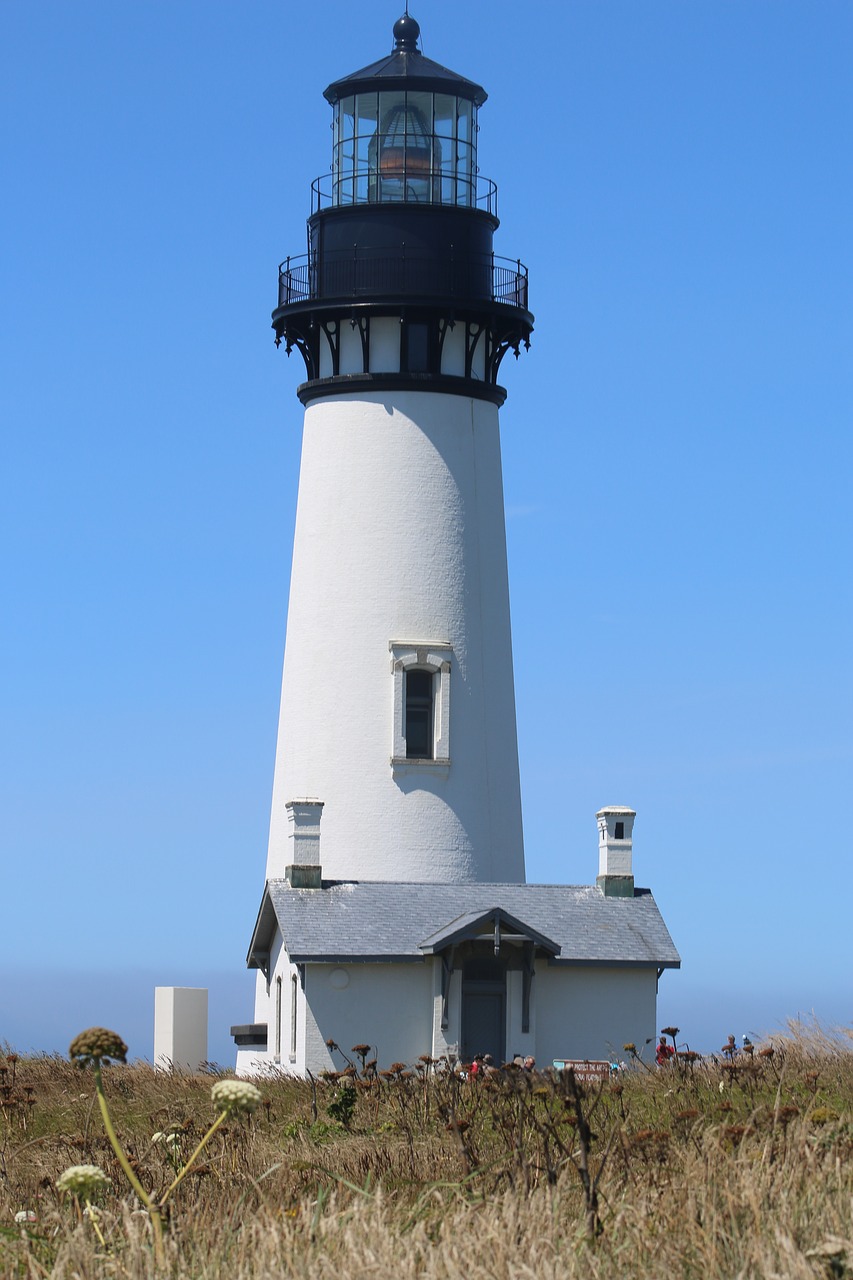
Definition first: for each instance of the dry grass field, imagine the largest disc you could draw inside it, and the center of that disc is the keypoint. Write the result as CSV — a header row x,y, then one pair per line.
x,y
715,1169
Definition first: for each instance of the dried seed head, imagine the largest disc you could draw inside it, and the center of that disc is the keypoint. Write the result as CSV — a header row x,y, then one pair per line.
x,y
97,1045
235,1097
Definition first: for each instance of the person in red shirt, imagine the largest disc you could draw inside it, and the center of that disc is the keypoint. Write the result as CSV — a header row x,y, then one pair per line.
x,y
664,1052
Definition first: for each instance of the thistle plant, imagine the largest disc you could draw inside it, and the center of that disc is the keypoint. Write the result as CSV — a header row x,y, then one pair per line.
x,y
93,1047
231,1098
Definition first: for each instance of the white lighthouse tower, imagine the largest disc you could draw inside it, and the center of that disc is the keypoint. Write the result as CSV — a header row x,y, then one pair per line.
x,y
397,706
395,911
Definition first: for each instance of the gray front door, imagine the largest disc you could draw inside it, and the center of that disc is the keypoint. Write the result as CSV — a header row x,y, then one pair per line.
x,y
483,1006
483,1019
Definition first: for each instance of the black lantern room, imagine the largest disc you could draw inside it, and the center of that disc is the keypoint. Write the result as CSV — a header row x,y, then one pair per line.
x,y
403,229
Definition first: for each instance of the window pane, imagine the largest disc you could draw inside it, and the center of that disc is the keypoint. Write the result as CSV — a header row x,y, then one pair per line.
x,y
465,159
463,129
364,142
367,113
419,700
445,115
417,361
391,103
419,684
346,117
419,113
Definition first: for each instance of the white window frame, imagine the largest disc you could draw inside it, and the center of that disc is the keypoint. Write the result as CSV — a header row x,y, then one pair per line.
x,y
421,655
277,1051
294,997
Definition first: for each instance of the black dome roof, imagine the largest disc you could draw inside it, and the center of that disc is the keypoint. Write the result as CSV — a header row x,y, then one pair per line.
x,y
406,68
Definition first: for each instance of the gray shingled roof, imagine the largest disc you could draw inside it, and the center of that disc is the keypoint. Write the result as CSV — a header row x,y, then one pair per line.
x,y
380,920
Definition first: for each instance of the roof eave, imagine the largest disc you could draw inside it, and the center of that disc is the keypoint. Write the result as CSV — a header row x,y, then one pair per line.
x,y
605,963
447,936
263,932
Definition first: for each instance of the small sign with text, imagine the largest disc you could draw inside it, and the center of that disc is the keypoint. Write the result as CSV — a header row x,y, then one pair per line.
x,y
587,1070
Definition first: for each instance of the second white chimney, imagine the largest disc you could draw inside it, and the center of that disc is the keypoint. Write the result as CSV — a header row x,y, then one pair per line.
x,y
615,850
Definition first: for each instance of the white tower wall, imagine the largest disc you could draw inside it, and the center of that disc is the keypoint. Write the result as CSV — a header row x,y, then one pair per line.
x,y
400,540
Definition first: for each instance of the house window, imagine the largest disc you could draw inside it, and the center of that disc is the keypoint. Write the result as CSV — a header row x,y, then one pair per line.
x,y
619,833
278,1019
294,986
419,709
421,701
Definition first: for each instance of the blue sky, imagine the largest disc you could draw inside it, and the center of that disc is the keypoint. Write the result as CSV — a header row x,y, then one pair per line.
x,y
677,461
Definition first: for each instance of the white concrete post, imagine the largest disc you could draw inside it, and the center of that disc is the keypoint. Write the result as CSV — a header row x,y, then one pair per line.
x,y
180,1028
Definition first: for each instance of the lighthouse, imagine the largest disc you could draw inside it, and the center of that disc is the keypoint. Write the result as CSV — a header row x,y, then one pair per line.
x,y
395,909
397,705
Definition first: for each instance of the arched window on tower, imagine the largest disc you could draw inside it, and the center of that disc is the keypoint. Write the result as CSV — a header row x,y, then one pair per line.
x,y
420,698
421,730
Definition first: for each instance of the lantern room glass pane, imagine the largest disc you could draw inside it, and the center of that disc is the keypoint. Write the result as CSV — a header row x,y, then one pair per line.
x,y
465,174
367,114
445,115
464,110
404,145
343,158
419,114
346,118
363,143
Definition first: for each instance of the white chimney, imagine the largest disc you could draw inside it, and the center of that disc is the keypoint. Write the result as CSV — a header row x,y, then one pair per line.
x,y
615,851
303,869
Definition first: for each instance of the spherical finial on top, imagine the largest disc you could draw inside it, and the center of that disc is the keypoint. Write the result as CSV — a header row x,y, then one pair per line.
x,y
406,32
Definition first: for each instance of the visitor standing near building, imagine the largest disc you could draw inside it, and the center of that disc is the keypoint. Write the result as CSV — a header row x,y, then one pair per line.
x,y
664,1052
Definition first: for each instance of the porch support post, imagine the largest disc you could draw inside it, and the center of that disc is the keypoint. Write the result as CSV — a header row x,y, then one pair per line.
x,y
446,975
526,984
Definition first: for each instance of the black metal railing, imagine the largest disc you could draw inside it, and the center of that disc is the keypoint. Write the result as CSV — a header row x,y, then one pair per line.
x,y
404,186
375,273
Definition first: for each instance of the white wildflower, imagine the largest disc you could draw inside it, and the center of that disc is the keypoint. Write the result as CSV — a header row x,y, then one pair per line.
x,y
235,1097
83,1180
170,1140
26,1215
